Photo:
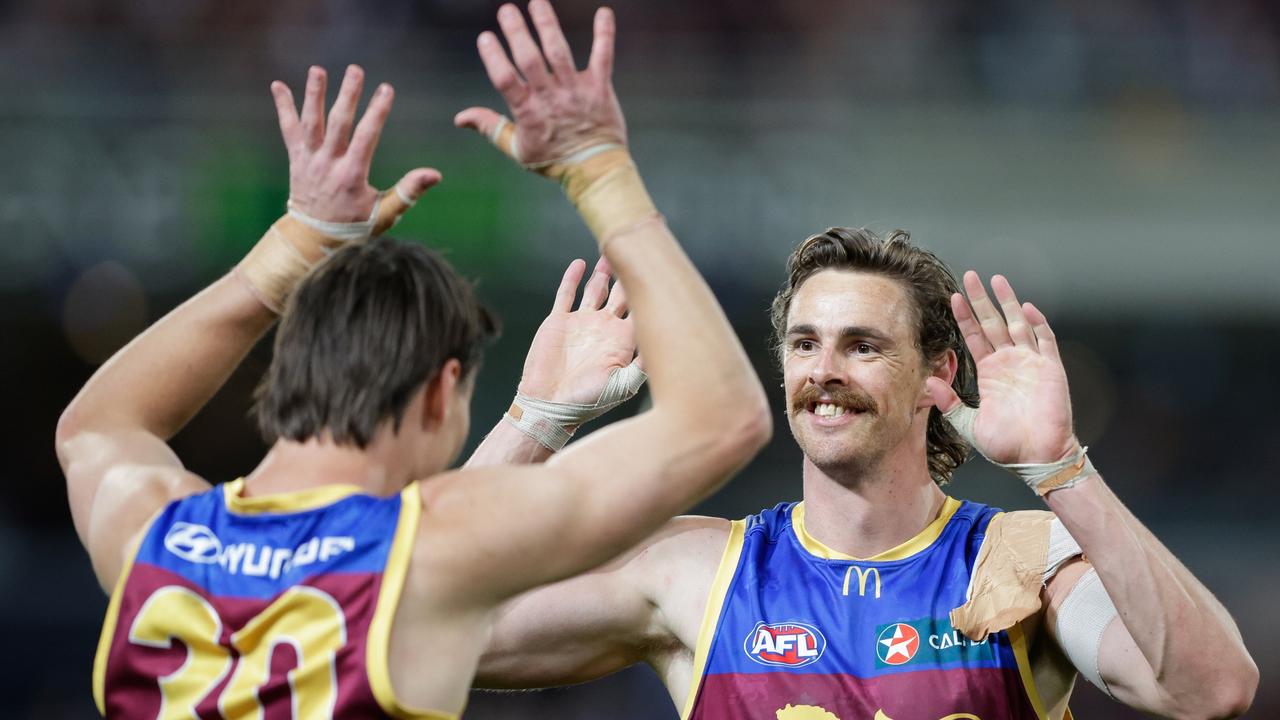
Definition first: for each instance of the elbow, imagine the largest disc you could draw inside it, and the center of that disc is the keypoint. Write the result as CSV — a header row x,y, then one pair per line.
x,y
1234,696
69,427
750,429
1229,696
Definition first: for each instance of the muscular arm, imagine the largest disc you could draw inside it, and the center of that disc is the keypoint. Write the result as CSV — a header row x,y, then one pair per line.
x,y
1190,660
1150,657
111,439
492,533
644,606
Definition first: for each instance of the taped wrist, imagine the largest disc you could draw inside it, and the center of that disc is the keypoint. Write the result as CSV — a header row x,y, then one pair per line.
x,y
1042,478
297,242
599,179
553,423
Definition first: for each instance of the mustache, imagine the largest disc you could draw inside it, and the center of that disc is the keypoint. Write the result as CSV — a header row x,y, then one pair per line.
x,y
848,397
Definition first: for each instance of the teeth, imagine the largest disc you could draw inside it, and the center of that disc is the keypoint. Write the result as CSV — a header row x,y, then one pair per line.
x,y
828,410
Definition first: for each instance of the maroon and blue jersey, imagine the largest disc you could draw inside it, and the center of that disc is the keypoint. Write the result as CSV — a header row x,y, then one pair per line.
x,y
797,631
272,607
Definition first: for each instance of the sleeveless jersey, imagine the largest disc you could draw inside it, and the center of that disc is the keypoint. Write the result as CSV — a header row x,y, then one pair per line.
x,y
276,607
796,631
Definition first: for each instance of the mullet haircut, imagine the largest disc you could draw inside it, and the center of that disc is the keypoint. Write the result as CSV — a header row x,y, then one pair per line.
x,y
360,335
930,285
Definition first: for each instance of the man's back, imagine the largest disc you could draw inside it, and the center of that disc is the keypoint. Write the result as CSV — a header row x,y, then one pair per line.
x,y
275,601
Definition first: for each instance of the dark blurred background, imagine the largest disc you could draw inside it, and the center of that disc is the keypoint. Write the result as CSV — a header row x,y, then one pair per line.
x,y
1116,158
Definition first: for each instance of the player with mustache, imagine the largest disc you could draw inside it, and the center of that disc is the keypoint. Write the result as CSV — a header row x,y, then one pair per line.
x,y
879,595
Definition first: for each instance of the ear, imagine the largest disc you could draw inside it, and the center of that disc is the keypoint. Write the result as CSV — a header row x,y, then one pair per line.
x,y
438,394
944,368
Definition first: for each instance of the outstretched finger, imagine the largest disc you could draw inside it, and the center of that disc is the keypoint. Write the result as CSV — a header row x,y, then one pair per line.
x,y
343,114
568,289
1019,330
287,113
1044,334
313,107
604,31
993,325
367,133
554,45
594,294
974,338
501,72
523,49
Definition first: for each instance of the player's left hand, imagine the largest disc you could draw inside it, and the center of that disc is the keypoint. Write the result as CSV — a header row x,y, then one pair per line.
x,y
575,351
1024,412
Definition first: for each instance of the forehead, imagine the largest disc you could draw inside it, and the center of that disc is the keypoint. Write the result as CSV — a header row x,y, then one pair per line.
x,y
833,299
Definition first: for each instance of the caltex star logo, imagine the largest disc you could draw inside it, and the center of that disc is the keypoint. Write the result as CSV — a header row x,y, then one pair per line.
x,y
897,644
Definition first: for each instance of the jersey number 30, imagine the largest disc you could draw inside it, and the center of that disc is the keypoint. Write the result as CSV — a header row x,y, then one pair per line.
x,y
308,619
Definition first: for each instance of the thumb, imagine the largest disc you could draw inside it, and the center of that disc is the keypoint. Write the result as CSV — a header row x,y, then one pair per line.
x,y
944,397
397,202
500,131
960,416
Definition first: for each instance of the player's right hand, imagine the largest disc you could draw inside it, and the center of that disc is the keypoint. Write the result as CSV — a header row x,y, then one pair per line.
x,y
329,163
575,352
558,111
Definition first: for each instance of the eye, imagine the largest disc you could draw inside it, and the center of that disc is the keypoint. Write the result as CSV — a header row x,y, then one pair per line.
x,y
864,348
805,346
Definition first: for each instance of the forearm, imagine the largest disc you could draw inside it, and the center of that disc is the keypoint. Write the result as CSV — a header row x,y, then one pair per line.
x,y
1157,598
506,445
684,335
164,376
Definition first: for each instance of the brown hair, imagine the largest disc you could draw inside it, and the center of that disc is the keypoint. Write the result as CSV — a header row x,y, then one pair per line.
x,y
360,334
929,283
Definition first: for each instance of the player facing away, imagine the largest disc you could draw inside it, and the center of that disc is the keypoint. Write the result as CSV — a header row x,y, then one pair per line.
x,y
349,575
879,596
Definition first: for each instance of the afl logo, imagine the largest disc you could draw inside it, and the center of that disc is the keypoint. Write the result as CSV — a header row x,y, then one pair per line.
x,y
790,644
193,543
897,644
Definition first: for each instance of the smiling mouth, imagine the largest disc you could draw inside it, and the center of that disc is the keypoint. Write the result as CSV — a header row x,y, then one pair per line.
x,y
827,409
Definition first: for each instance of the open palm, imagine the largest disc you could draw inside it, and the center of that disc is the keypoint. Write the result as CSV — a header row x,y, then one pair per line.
x,y
1024,413
575,351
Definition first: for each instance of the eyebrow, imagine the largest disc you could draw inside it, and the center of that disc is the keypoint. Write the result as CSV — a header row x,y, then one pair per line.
x,y
848,331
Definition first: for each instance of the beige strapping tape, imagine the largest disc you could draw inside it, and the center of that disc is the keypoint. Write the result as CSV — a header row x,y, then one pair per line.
x,y
1008,575
286,252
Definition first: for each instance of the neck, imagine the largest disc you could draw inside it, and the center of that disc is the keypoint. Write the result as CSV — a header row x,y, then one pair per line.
x,y
866,512
292,466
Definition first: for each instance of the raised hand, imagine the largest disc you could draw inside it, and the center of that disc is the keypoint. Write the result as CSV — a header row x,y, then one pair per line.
x,y
329,161
1024,415
576,351
557,110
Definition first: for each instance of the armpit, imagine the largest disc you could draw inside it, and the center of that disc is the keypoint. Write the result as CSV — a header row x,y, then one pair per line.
x,y
1021,551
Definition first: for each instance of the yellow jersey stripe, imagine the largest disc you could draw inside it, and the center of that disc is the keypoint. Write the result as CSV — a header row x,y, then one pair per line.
x,y
393,577
921,541
715,602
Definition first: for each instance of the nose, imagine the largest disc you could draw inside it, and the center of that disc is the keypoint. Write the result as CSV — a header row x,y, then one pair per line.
x,y
827,369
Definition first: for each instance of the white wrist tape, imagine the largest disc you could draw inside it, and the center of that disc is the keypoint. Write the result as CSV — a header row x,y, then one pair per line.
x,y
1042,478
1083,618
552,423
